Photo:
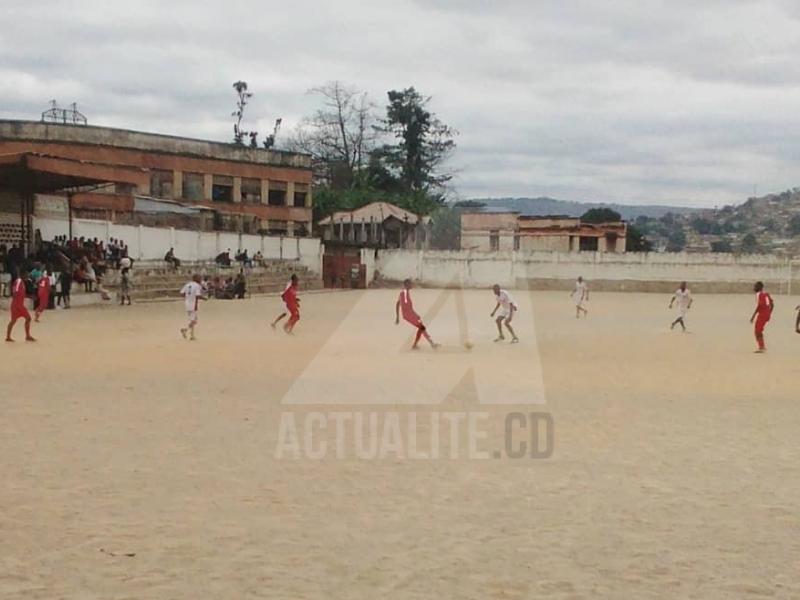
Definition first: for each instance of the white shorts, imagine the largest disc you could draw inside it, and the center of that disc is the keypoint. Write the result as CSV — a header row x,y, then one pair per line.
x,y
192,314
505,313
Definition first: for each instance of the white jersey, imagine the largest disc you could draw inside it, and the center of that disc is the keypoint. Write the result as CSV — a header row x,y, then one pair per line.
x,y
506,303
683,299
579,293
192,292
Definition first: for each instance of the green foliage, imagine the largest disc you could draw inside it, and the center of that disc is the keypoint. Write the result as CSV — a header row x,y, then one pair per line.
x,y
670,220
723,245
328,200
676,240
794,225
469,204
635,241
243,96
731,227
749,244
600,215
421,144
705,226
406,172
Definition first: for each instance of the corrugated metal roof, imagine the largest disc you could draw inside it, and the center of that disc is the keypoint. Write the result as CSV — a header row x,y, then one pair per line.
x,y
377,211
147,204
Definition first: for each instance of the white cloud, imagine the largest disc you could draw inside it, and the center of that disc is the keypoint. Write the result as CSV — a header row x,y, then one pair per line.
x,y
632,100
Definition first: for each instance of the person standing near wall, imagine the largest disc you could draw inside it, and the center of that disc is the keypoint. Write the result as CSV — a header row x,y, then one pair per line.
x,y
192,293
65,282
42,294
125,286
761,315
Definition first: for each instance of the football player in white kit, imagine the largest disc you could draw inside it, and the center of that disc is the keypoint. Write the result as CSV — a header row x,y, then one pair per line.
x,y
580,295
684,299
192,293
507,309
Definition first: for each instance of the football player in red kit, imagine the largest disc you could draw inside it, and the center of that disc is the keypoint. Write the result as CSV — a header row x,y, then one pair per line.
x,y
43,293
762,314
18,310
292,281
405,305
292,302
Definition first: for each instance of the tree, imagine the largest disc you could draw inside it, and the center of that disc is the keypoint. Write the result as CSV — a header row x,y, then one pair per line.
x,y
749,244
635,241
422,143
239,134
339,136
676,240
445,228
469,204
601,215
702,226
731,226
723,245
669,219
794,225
243,96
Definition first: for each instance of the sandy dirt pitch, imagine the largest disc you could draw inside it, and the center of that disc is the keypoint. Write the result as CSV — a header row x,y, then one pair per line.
x,y
139,465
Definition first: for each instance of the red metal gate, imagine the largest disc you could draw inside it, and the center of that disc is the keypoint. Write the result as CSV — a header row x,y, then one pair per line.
x,y
343,272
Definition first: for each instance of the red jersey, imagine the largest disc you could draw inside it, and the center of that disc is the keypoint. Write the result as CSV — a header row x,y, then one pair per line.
x,y
18,293
764,305
407,307
44,286
289,296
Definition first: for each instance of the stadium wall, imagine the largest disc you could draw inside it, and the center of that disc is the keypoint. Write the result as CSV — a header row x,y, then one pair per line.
x,y
639,272
152,243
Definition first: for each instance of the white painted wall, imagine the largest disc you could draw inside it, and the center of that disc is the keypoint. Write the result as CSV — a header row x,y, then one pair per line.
x,y
151,243
482,269
368,260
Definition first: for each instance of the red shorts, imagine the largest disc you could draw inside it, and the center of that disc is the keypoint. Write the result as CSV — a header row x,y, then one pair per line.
x,y
19,312
414,320
761,323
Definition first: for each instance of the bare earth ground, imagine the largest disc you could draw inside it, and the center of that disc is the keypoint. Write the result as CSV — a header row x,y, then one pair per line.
x,y
674,474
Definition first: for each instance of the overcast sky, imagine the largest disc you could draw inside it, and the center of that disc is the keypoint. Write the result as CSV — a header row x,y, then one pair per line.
x,y
639,101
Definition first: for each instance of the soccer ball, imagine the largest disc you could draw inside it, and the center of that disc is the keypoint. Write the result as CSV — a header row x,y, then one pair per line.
x,y
468,345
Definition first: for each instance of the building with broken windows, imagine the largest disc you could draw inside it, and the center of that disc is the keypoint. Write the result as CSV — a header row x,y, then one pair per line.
x,y
69,171
494,231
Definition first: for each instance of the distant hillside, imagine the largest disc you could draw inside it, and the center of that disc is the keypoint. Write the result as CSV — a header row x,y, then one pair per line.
x,y
551,206
767,224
